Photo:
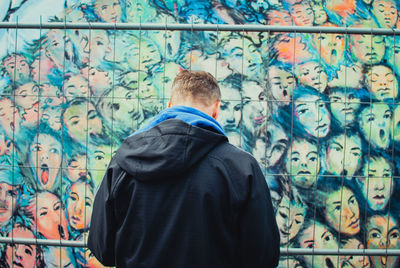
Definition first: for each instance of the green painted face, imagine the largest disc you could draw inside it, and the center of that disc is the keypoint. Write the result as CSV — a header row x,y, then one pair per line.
x,y
342,211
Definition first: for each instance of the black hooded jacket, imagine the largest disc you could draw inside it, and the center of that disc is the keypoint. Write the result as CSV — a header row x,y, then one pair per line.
x,y
177,196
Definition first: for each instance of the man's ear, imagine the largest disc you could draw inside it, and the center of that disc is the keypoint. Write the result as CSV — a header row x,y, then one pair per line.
x,y
216,109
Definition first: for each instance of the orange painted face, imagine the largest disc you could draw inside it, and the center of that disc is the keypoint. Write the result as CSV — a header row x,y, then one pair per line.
x,y
8,201
79,205
383,233
18,255
49,217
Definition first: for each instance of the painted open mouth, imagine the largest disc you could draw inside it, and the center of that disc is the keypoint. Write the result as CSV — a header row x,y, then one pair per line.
x,y
304,172
329,263
321,127
379,197
354,224
382,134
333,53
61,231
44,168
16,263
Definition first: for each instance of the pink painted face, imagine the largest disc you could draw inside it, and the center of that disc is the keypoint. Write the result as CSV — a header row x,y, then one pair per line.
x,y
17,68
40,73
302,14
49,216
94,46
8,201
79,205
292,49
10,118
19,255
281,17
45,157
32,115
27,95
99,81
77,167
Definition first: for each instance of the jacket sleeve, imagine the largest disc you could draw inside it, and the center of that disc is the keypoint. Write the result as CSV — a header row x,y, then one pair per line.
x,y
259,235
103,225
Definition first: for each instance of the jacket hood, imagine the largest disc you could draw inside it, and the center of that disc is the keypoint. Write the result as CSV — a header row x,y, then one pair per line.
x,y
166,150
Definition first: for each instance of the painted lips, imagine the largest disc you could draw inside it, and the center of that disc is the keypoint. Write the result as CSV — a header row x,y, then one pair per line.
x,y
45,173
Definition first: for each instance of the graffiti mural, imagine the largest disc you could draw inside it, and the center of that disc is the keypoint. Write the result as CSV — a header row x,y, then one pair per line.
x,y
320,113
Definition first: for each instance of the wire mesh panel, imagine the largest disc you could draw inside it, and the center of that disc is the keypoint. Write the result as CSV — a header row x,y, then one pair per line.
x,y
318,109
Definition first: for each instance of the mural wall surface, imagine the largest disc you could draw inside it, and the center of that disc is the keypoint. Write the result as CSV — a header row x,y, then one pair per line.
x,y
320,113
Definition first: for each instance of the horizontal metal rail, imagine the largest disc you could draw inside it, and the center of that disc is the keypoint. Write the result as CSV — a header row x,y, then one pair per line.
x,y
199,27
284,251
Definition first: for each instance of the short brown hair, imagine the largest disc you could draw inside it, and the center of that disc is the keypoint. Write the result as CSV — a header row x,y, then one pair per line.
x,y
198,86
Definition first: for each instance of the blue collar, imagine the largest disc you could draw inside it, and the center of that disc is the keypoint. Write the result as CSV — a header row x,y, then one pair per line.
x,y
190,115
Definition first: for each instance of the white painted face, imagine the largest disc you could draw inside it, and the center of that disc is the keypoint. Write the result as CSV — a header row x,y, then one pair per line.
x,y
377,182
318,236
376,123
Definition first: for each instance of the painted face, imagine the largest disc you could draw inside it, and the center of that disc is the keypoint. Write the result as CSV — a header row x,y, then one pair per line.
x,y
230,114
270,148
40,73
17,68
52,117
311,74
342,7
394,58
213,63
382,82
27,95
385,12
99,81
45,158
377,184
99,160
376,122
255,107
320,16
312,114
108,10
49,216
81,124
343,106
59,47
282,83
76,86
383,233
302,14
343,155
10,118
342,211
330,47
303,163
318,236
32,115
169,42
124,111
354,261
79,205
143,55
243,57
59,257
396,123
19,255
279,17
292,49
139,11
289,217
367,50
8,201
77,167
94,47
50,95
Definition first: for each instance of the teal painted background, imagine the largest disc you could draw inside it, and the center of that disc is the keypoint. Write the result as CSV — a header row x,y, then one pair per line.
x,y
320,113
